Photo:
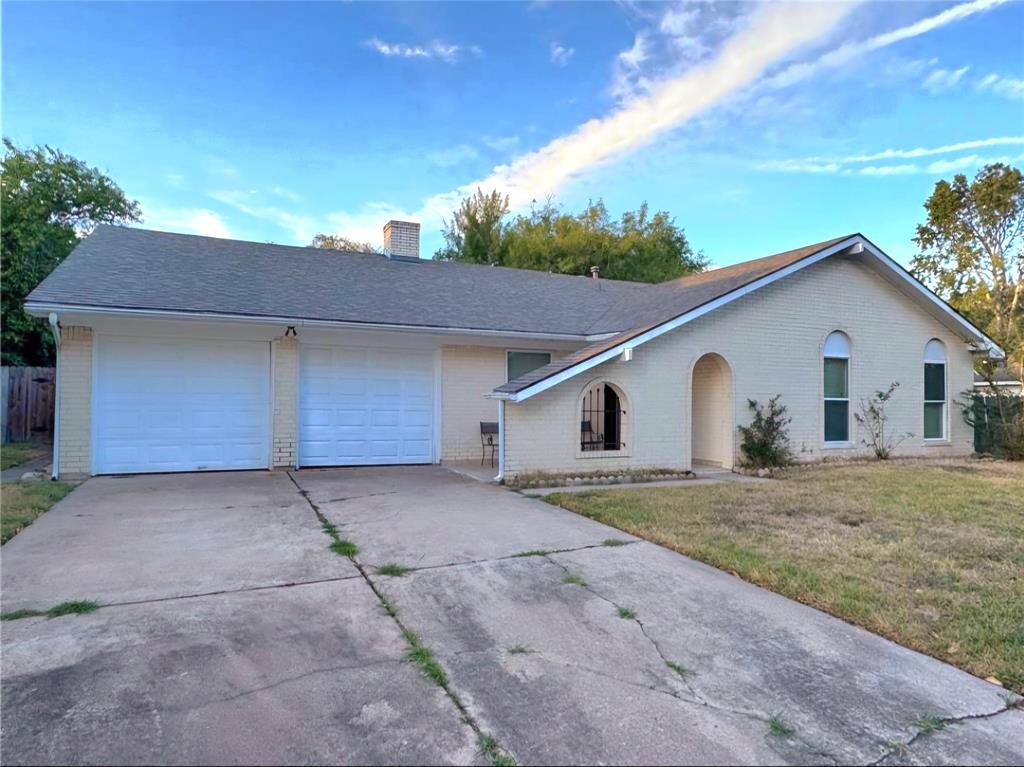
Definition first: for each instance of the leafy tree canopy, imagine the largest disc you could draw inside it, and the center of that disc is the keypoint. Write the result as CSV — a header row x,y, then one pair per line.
x,y
639,246
49,201
971,251
338,242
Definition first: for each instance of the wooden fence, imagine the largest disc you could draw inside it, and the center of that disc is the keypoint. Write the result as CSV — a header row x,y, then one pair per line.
x,y
26,412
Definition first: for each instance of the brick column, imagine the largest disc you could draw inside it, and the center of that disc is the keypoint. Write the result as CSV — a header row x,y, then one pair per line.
x,y
285,355
74,454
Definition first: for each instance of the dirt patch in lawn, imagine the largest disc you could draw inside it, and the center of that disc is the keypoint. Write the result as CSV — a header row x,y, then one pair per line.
x,y
931,556
22,502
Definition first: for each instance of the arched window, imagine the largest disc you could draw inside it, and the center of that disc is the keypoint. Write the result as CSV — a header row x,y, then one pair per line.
x,y
837,388
602,414
935,390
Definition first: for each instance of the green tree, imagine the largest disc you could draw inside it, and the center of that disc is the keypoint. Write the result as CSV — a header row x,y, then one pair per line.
x,y
476,233
639,246
49,201
971,250
338,242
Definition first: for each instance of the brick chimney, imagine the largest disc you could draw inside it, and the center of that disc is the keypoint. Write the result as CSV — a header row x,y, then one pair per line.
x,y
402,239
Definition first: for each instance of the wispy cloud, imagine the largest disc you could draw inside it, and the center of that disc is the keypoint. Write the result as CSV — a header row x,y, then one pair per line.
x,y
301,227
850,51
942,80
560,55
435,49
1002,85
833,163
189,220
455,155
501,143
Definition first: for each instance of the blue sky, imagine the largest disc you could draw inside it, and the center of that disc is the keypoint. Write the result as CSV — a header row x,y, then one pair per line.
x,y
759,128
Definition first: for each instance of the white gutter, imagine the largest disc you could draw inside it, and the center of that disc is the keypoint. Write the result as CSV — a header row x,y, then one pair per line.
x,y
37,309
54,321
501,443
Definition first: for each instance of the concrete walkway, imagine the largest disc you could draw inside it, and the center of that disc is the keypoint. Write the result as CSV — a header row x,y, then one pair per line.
x,y
15,473
234,635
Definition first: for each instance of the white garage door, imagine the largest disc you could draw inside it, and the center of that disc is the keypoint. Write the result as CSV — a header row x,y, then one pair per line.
x,y
181,405
365,406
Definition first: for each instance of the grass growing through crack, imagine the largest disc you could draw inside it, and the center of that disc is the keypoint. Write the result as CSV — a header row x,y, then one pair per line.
x,y
533,553
682,671
393,569
927,724
519,649
422,656
627,613
489,747
575,580
777,726
75,607
614,542
344,547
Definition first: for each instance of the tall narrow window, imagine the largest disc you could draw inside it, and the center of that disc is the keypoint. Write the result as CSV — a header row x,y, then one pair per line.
x,y
837,388
935,390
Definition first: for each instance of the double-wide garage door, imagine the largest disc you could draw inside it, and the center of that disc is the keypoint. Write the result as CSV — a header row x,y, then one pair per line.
x,y
360,406
169,404
173,404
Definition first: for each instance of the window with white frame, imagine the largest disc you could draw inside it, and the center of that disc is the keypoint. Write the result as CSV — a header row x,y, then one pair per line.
x,y
519,363
837,388
935,390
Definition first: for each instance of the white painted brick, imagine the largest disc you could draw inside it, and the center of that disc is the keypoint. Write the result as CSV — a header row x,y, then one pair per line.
x,y
772,340
285,356
75,401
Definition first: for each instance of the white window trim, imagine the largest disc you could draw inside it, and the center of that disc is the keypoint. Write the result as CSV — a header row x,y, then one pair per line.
x,y
843,443
526,351
626,426
944,439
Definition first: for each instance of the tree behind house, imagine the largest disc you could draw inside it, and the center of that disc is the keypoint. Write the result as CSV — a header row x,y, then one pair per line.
x,y
971,251
49,201
339,242
640,246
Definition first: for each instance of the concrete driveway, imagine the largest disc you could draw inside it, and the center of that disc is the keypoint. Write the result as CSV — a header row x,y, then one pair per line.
x,y
233,635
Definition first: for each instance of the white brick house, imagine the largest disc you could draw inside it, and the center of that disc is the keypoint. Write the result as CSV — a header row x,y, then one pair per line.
x,y
183,353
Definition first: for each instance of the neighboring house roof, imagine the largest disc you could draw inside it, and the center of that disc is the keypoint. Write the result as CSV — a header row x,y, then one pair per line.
x,y
675,303
1001,376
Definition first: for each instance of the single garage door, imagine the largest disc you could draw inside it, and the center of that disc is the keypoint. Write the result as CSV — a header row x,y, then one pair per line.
x,y
365,406
180,405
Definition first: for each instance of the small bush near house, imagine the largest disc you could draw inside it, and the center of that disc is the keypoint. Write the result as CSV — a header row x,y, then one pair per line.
x,y
873,418
766,440
997,420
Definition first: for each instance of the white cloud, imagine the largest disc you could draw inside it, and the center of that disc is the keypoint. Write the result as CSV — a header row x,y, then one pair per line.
x,y
943,79
560,55
850,51
435,49
456,155
188,220
627,80
287,194
969,161
175,179
1002,85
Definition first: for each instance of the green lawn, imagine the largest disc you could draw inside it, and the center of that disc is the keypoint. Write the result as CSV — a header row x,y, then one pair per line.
x,y
15,453
929,555
22,502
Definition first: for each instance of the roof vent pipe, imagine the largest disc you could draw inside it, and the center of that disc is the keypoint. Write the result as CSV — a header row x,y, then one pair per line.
x,y
595,272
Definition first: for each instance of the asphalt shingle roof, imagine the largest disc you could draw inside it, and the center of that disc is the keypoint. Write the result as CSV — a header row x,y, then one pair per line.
x,y
128,268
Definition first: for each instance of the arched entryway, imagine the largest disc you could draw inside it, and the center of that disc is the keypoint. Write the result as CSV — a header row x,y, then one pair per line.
x,y
711,413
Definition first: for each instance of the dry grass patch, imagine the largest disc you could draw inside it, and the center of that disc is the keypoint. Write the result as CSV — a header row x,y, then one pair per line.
x,y
931,556
22,502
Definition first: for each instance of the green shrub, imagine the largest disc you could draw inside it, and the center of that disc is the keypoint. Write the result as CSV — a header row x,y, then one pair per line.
x,y
766,440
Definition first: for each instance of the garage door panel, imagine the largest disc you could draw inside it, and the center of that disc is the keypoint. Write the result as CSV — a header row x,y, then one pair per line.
x,y
171,404
365,406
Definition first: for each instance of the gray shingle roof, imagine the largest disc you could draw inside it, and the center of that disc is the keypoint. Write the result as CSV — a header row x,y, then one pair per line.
x,y
127,268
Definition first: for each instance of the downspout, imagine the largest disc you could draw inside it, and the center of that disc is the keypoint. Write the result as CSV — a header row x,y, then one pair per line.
x,y
55,329
500,479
